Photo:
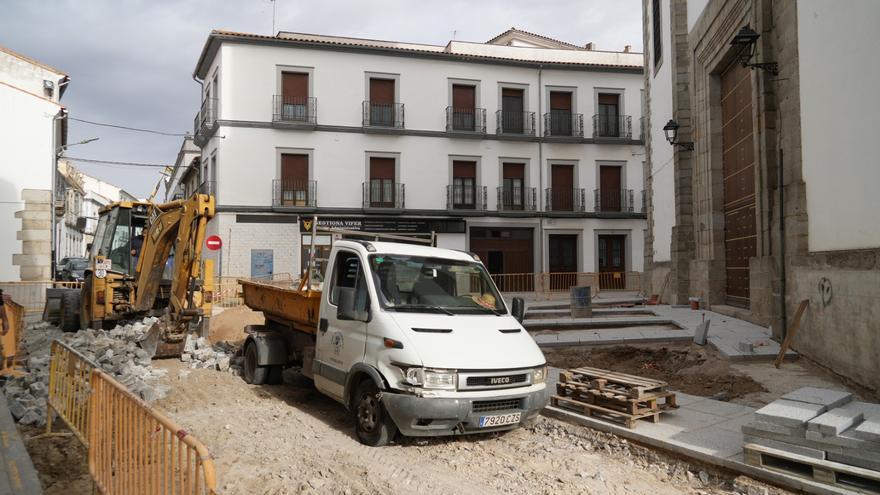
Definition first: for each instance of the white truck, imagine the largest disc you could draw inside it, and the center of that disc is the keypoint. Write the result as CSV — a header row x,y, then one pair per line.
x,y
411,339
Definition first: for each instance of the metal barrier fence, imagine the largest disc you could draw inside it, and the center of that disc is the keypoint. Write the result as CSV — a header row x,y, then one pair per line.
x,y
32,295
551,282
69,390
135,449
228,294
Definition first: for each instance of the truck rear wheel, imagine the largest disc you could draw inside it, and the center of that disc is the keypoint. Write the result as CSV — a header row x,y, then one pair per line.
x,y
373,425
253,373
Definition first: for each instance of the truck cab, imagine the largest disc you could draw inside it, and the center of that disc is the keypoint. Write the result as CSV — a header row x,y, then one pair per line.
x,y
418,340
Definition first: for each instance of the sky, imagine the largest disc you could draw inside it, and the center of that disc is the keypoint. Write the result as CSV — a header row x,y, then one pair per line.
x,y
131,61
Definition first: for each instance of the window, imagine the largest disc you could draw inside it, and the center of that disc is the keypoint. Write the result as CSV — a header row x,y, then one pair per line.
x,y
609,115
295,96
293,187
512,110
382,190
561,117
381,102
512,192
656,35
464,98
464,184
347,273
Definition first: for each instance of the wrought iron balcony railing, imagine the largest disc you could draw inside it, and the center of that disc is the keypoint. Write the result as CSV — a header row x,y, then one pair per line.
x,y
560,123
516,198
515,123
613,200
302,109
207,115
294,193
612,126
556,199
383,115
383,193
466,120
463,197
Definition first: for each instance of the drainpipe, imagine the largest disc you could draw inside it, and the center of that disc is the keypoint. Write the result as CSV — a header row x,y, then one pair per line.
x,y
539,122
782,287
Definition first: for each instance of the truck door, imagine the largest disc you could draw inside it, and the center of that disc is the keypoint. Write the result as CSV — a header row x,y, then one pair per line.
x,y
340,343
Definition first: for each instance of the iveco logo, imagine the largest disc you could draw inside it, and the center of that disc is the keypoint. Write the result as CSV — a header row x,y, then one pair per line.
x,y
499,380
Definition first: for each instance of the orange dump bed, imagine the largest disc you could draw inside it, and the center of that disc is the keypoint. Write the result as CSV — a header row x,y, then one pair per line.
x,y
283,303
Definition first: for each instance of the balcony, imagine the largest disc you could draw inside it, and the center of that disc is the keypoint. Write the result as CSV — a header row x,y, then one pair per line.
x,y
205,121
516,198
515,123
468,198
614,200
383,115
612,126
466,120
565,200
381,193
295,109
207,187
558,123
294,193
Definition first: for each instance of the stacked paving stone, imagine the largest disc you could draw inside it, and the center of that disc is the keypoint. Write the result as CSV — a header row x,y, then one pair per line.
x,y
199,353
822,424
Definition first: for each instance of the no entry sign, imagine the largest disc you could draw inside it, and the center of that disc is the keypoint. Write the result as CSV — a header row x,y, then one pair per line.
x,y
213,242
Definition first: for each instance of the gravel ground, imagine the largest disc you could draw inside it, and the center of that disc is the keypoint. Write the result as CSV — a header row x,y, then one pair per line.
x,y
291,439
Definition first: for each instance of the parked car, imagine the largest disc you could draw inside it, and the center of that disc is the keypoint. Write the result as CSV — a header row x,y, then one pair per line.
x,y
73,269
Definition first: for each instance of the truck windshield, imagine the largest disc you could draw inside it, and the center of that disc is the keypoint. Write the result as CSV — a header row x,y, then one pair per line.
x,y
415,283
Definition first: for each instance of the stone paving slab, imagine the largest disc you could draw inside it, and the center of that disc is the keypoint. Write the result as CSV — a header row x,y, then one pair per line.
x,y
860,460
835,421
789,413
787,447
869,429
760,428
822,396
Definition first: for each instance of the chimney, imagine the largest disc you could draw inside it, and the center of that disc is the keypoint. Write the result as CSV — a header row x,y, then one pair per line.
x,y
627,48
589,46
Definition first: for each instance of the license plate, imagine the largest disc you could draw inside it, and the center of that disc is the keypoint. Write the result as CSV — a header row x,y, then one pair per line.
x,y
499,420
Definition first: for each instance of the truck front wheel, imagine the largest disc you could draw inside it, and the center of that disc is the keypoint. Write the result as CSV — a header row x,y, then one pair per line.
x,y
252,372
373,425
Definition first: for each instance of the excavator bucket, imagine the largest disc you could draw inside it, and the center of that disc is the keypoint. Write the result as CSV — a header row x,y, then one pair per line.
x,y
157,344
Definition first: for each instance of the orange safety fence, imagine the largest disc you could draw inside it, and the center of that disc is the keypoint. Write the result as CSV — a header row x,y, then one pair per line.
x,y
227,293
550,282
10,342
135,449
32,294
69,390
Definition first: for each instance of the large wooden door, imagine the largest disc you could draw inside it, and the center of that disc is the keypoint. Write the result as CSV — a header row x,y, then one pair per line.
x,y
508,256
562,260
562,188
610,193
738,164
612,261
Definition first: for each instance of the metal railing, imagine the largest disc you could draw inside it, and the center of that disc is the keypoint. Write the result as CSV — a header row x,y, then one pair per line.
x,y
207,187
516,198
135,449
69,390
32,295
556,199
612,126
294,193
642,128
383,115
207,115
383,194
612,200
461,197
556,282
559,123
617,280
302,109
465,120
507,122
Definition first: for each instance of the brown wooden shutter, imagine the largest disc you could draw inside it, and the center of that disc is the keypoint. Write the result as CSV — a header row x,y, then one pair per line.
x,y
609,178
560,100
609,99
463,97
513,92
381,91
514,171
381,168
294,168
562,177
295,84
461,168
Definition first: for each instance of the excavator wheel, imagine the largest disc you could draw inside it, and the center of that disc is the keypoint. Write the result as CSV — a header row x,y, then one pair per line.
x,y
68,314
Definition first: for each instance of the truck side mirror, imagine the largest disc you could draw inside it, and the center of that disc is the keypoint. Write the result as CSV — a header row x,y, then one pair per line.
x,y
345,309
518,309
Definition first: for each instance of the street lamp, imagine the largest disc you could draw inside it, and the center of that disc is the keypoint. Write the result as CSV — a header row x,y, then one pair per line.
x,y
84,141
671,131
746,41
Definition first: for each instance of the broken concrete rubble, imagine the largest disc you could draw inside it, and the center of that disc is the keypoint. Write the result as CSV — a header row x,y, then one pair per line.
x,y
200,354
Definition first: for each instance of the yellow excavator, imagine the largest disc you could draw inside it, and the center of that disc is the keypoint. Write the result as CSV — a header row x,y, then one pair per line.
x,y
146,260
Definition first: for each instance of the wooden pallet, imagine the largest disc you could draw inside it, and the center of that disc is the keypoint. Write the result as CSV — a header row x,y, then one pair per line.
x,y
628,420
658,401
633,386
832,473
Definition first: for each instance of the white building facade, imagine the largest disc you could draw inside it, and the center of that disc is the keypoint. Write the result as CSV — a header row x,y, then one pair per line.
x,y
32,127
525,150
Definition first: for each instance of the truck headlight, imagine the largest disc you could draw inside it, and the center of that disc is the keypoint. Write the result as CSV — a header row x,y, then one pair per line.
x,y
431,378
539,374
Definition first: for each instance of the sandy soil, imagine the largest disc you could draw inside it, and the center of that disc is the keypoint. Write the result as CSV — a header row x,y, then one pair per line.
x,y
688,368
291,439
229,325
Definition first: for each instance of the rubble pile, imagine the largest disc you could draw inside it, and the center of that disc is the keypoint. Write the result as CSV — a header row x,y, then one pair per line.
x,y
200,354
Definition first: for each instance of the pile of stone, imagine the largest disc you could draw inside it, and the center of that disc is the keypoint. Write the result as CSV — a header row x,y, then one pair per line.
x,y
201,354
820,424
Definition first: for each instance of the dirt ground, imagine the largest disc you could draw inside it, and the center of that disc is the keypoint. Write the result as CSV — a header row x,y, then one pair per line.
x,y
688,368
229,325
61,461
289,438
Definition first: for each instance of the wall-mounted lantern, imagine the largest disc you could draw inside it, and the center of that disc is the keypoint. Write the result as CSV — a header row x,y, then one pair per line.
x,y
746,40
671,131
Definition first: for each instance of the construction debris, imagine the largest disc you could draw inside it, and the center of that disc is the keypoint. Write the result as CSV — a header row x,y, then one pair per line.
x,y
616,396
816,433
200,354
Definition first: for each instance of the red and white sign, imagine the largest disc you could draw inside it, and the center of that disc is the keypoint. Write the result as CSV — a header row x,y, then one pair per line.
x,y
213,242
